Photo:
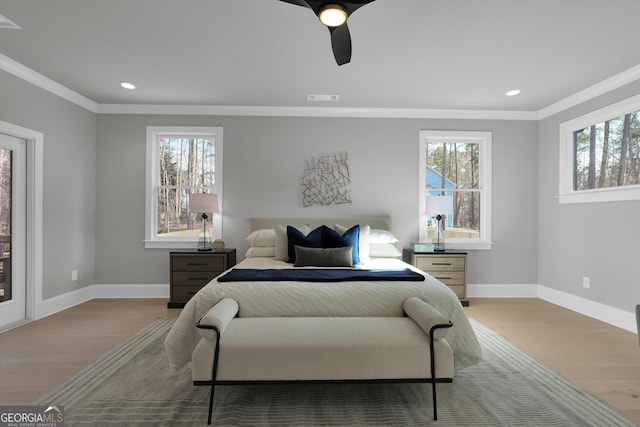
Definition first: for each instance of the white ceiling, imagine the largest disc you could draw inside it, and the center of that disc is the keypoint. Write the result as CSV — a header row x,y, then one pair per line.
x,y
407,54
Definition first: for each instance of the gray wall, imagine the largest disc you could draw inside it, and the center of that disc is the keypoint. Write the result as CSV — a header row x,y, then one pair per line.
x,y
598,240
263,164
69,180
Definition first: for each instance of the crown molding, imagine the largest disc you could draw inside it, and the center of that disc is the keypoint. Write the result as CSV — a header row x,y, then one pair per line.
x,y
614,82
232,110
25,73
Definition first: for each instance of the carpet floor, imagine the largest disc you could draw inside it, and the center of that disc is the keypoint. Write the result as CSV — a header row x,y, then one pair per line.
x,y
132,385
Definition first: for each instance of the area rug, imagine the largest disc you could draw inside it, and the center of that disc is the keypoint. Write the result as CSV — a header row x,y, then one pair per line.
x,y
132,386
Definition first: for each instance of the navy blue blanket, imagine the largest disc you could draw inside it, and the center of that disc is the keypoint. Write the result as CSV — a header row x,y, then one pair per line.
x,y
318,275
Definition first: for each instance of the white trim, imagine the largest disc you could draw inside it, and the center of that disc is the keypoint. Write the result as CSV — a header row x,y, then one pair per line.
x,y
566,193
605,313
153,133
502,291
27,74
70,299
485,142
9,65
35,192
611,315
284,111
614,82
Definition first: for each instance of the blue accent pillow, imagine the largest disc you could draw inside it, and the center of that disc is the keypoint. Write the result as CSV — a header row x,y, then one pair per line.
x,y
296,237
333,239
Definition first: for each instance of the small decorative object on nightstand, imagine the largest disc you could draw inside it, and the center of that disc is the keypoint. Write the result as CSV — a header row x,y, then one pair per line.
x,y
191,270
449,266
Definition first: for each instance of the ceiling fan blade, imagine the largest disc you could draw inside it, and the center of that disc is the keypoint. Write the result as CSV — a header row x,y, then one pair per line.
x,y
341,43
297,2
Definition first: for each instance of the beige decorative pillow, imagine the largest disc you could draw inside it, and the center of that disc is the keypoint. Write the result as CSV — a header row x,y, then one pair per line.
x,y
282,242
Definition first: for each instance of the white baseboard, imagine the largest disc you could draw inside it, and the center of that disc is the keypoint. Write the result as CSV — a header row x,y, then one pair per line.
x,y
611,315
62,302
502,291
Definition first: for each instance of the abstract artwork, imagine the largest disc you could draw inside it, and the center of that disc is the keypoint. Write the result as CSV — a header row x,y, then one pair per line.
x,y
326,179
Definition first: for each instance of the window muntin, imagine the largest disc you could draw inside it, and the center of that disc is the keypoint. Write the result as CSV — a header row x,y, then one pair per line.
x,y
457,164
600,155
180,162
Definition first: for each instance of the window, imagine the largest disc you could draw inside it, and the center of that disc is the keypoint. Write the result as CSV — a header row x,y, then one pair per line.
x,y
181,161
457,164
600,155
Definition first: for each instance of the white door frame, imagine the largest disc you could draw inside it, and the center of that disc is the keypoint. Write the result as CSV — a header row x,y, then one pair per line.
x,y
35,149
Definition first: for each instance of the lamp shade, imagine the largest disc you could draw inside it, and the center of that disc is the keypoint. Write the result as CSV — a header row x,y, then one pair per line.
x,y
440,205
201,202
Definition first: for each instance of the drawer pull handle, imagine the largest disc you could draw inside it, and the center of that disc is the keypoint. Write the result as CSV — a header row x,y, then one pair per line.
x,y
441,263
443,278
197,263
197,278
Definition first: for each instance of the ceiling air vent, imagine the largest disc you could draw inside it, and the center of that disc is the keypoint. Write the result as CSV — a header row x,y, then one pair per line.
x,y
322,98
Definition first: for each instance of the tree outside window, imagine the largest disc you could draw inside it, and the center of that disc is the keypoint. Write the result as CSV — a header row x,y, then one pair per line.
x,y
607,154
181,161
457,164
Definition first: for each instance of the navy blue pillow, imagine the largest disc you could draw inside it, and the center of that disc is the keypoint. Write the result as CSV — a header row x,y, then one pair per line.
x,y
333,239
295,237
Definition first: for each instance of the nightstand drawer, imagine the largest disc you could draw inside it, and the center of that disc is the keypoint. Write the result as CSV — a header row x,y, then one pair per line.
x,y
193,278
198,263
184,293
432,263
449,277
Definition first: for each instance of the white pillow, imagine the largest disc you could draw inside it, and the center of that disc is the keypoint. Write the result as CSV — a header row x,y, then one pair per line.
x,y
282,242
363,240
263,238
261,251
383,250
382,236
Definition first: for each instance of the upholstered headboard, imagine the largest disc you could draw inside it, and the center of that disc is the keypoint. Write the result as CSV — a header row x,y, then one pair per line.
x,y
382,223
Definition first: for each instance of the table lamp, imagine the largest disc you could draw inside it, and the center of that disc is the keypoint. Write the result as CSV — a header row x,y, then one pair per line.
x,y
204,203
439,207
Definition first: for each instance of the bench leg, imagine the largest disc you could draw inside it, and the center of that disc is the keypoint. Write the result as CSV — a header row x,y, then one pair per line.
x,y
213,386
214,374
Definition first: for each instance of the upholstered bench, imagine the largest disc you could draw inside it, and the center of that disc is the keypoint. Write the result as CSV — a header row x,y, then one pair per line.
x,y
235,350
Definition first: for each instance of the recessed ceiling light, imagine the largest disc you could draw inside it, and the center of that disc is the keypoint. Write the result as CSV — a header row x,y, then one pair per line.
x,y
322,97
129,86
513,92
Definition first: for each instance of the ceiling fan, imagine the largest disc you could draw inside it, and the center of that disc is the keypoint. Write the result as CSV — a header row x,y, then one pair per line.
x,y
334,15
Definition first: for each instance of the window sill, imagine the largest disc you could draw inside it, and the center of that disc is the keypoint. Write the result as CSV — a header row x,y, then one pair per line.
x,y
468,246
601,195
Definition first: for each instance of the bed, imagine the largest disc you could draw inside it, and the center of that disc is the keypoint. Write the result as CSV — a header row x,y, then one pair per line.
x,y
349,298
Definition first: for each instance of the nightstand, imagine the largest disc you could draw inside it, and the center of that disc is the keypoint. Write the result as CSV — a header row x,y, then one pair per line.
x,y
450,267
191,270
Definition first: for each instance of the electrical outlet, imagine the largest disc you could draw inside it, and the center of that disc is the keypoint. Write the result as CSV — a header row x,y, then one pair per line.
x,y
74,275
586,282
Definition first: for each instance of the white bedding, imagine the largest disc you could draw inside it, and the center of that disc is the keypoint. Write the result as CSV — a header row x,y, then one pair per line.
x,y
299,299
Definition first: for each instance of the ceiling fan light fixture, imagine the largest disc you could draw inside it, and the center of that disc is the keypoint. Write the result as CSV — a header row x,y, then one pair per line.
x,y
333,15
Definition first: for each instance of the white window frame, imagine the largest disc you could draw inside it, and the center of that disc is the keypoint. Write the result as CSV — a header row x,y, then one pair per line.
x,y
609,194
484,140
154,133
